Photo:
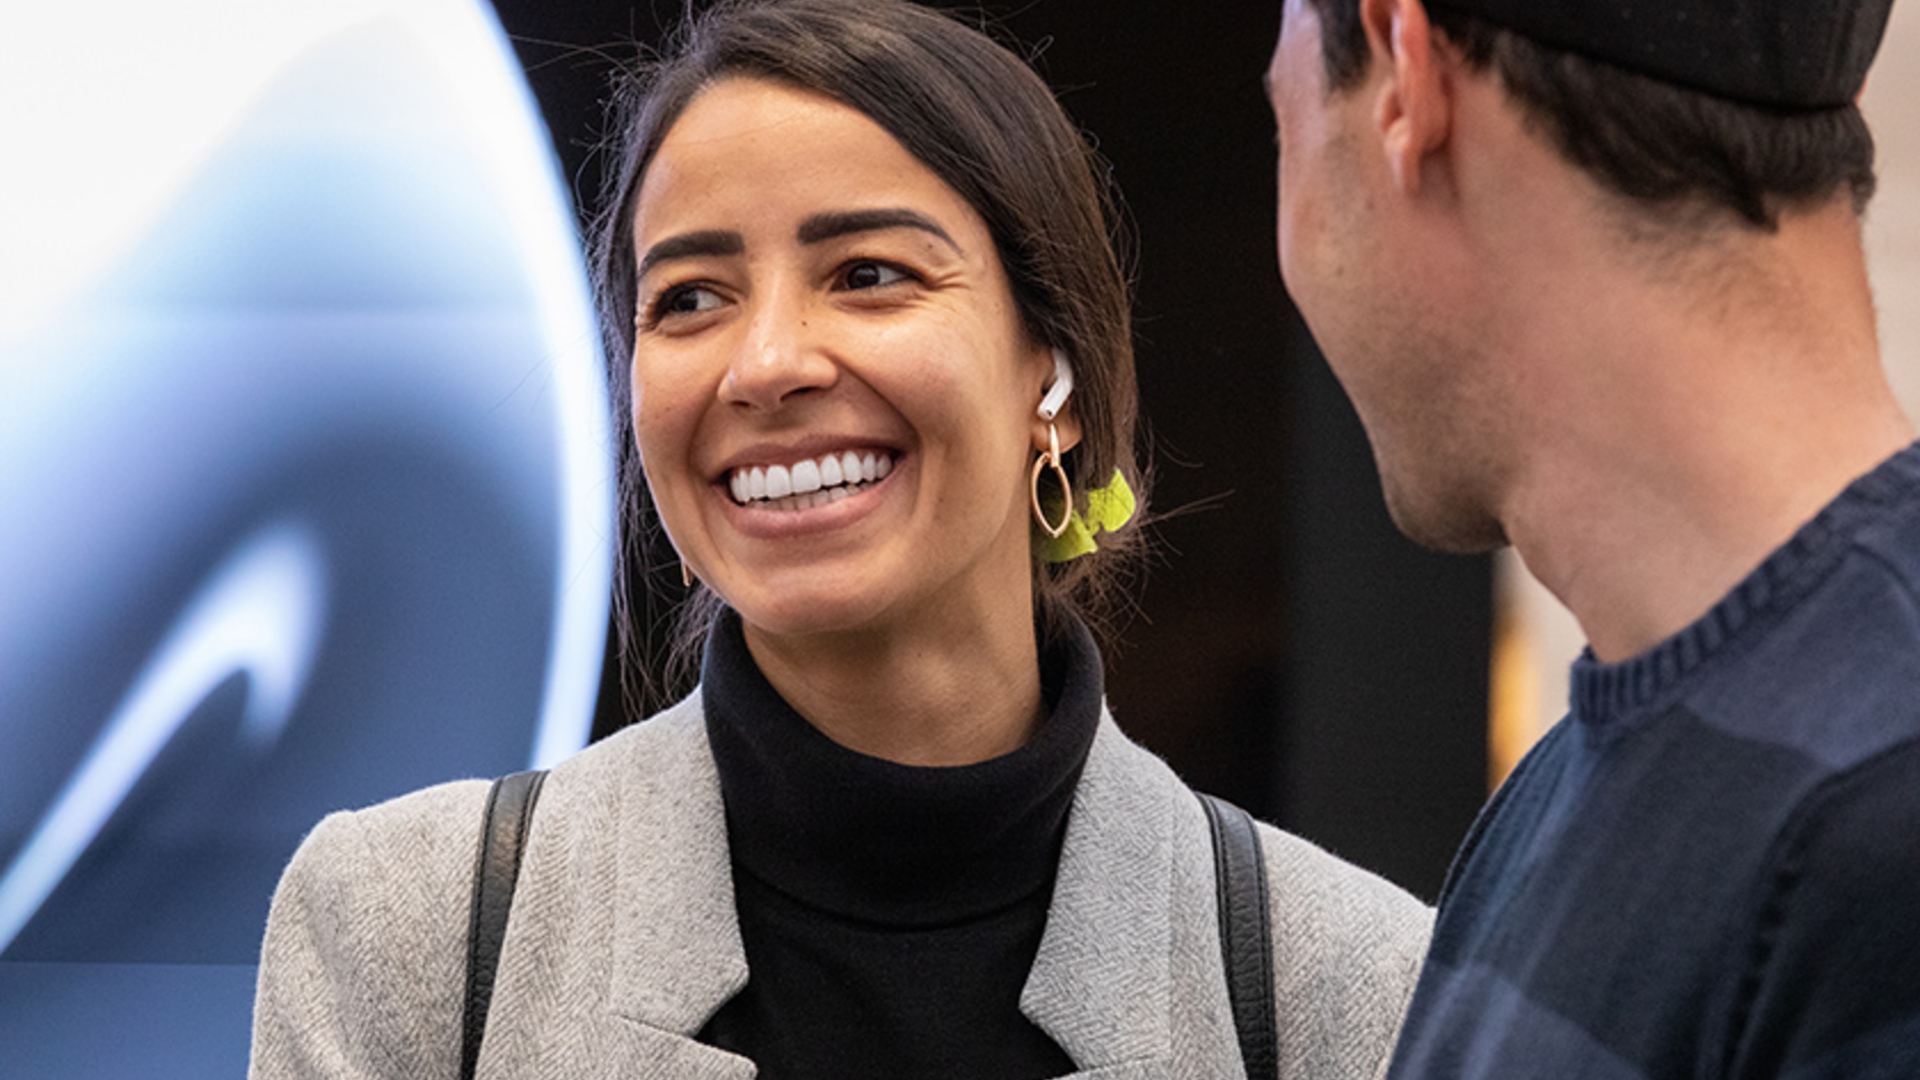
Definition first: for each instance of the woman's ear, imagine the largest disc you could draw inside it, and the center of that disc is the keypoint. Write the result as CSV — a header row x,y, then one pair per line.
x,y
1067,424
1055,410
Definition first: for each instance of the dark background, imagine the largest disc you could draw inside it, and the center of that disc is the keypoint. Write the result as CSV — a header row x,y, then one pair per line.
x,y
1292,651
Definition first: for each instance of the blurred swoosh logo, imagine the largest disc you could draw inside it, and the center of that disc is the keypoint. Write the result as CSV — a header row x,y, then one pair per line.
x,y
260,614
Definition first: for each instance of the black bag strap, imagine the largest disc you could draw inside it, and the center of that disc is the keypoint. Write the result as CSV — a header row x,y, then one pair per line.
x,y
509,810
1246,944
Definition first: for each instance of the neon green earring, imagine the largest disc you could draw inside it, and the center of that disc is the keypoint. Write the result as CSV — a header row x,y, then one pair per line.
x,y
1108,508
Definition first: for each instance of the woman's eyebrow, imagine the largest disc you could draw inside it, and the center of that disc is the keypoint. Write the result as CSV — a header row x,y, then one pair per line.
x,y
692,245
821,227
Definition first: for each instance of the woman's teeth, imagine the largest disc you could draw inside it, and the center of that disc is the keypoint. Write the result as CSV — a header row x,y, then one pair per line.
x,y
807,484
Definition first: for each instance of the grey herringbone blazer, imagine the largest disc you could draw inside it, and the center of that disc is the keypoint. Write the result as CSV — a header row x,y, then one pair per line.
x,y
623,938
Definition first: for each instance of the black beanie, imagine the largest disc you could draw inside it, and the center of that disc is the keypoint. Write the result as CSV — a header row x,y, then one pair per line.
x,y
1795,54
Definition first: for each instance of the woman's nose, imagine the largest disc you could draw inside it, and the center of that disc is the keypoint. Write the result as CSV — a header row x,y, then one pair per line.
x,y
778,358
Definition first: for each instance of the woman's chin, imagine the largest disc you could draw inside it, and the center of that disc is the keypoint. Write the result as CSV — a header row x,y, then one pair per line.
x,y
810,613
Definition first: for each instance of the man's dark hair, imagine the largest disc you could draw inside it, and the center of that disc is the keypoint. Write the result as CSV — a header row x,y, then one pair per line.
x,y
1686,156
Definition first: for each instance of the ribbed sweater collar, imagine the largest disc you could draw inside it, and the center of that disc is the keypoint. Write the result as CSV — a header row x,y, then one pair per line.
x,y
1606,694
866,839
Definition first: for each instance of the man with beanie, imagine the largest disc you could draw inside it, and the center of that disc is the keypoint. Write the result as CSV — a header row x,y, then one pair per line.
x,y
1591,271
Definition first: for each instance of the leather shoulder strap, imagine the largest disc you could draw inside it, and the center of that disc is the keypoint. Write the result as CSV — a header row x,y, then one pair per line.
x,y
509,810
1246,943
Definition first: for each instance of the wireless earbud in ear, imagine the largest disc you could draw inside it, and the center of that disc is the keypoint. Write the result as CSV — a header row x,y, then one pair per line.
x,y
1056,396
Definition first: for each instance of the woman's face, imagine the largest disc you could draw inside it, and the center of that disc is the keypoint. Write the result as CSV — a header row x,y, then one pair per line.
x,y
833,395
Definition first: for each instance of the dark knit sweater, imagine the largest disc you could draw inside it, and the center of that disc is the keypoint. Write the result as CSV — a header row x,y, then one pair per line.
x,y
1712,867
890,914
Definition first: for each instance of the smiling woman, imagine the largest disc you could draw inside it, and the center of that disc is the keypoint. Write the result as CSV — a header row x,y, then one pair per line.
x,y
863,309
813,294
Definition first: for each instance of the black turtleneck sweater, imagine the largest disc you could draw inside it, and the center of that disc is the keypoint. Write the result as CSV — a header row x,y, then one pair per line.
x,y
890,913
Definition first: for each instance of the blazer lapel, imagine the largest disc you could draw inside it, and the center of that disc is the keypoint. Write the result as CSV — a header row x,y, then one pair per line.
x,y
677,954
1101,981
634,1051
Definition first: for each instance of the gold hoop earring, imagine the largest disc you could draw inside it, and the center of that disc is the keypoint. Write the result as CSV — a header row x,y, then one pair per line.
x,y
1051,460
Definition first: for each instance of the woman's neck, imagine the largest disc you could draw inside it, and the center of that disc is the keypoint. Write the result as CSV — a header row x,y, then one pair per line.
x,y
931,692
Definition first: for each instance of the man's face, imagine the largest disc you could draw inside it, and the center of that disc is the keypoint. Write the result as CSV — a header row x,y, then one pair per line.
x,y
1306,119
1359,260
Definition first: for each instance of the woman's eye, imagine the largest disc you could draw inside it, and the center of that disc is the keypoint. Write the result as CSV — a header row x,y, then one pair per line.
x,y
686,300
678,301
872,275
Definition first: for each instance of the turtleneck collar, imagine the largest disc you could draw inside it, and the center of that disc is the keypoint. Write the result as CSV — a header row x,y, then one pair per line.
x,y
1606,694
867,839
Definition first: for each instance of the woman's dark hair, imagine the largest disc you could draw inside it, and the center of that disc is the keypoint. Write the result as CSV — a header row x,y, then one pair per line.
x,y
1685,157
983,122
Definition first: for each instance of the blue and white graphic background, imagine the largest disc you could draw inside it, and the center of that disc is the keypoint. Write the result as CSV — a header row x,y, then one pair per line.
x,y
304,494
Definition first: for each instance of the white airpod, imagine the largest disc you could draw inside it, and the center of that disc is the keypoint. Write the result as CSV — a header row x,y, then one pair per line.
x,y
1056,396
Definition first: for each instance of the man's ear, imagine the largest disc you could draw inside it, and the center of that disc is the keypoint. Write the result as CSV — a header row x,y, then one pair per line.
x,y
1413,109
